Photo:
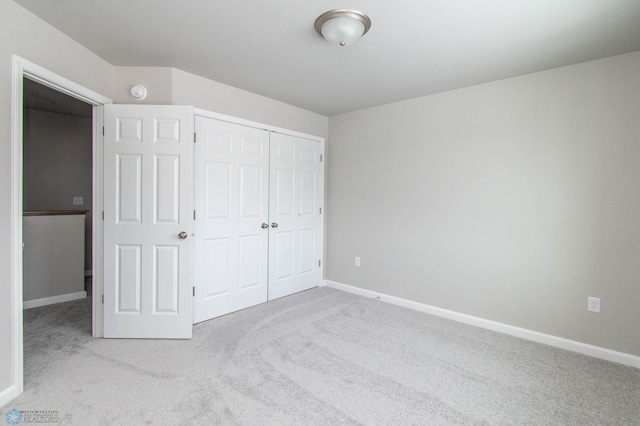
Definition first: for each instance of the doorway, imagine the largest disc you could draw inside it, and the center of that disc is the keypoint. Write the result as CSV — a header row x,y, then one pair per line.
x,y
57,196
24,69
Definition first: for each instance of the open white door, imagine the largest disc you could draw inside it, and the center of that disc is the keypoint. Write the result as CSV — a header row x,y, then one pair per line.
x,y
148,221
232,208
296,228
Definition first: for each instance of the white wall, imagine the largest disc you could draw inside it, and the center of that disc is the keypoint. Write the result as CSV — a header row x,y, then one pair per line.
x,y
27,36
512,201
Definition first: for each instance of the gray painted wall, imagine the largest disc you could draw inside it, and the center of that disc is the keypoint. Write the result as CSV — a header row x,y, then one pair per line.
x,y
176,87
157,81
58,165
511,201
190,89
53,256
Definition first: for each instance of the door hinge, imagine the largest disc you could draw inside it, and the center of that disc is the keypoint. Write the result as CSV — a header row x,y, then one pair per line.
x,y
102,130
319,263
320,210
320,157
194,292
194,215
194,137
102,214
103,299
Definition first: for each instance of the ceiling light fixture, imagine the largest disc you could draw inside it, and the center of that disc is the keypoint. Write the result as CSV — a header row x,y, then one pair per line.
x,y
342,26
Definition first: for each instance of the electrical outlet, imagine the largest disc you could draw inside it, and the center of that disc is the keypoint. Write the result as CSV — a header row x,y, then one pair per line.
x,y
357,261
78,201
593,304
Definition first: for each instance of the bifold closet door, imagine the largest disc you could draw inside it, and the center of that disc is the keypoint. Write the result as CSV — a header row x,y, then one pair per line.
x,y
231,217
296,226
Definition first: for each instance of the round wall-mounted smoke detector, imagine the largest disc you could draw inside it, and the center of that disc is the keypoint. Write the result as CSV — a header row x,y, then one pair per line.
x,y
139,92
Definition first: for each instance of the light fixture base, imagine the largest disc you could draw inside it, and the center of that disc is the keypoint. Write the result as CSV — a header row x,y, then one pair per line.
x,y
345,15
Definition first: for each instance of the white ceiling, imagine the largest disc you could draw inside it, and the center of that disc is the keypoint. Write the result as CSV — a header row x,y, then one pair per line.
x,y
414,47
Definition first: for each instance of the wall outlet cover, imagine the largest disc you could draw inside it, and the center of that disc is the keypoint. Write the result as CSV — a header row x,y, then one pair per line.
x,y
593,304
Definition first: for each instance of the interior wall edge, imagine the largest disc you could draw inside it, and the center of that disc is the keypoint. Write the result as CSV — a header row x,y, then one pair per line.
x,y
523,333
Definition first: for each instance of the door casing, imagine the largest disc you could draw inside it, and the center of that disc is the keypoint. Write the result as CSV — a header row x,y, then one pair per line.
x,y
22,68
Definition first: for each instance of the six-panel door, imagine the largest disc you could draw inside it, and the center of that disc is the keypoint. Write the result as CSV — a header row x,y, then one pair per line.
x,y
148,224
232,204
296,195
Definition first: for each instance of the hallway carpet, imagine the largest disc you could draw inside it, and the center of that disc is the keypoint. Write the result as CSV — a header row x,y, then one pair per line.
x,y
320,357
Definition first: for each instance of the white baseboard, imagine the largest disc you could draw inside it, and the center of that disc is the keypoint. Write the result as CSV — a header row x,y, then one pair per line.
x,y
28,304
523,333
8,394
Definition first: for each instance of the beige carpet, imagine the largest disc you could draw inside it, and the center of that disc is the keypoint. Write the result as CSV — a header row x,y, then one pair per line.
x,y
317,357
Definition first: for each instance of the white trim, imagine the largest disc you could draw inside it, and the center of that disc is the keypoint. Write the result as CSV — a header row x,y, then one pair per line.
x,y
16,226
47,78
249,123
97,281
8,394
21,68
523,333
35,303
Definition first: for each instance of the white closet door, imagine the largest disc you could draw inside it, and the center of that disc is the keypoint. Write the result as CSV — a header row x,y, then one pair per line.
x,y
296,229
231,242
148,199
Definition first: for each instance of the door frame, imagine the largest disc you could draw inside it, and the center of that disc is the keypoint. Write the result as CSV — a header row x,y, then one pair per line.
x,y
22,68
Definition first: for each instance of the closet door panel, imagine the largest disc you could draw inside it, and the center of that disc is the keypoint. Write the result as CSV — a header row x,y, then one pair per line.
x,y
296,196
231,193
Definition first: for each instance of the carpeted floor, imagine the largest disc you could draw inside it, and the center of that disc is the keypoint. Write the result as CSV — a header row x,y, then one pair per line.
x,y
317,357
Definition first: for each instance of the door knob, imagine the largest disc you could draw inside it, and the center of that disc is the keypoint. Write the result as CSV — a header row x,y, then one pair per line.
x,y
274,225
182,235
265,225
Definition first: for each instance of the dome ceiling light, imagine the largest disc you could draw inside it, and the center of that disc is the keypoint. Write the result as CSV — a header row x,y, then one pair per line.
x,y
342,26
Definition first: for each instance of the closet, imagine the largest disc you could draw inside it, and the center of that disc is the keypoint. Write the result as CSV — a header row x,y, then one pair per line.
x,y
258,216
204,215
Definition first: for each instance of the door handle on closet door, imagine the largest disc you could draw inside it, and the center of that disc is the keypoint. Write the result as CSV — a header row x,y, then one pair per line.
x,y
265,225
274,225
